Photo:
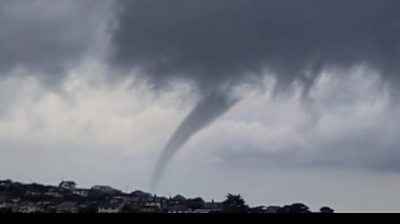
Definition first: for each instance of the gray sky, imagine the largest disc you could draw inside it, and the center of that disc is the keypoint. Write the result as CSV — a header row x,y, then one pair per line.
x,y
94,96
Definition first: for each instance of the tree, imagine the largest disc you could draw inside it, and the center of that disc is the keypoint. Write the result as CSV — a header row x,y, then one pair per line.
x,y
326,209
196,203
294,208
234,204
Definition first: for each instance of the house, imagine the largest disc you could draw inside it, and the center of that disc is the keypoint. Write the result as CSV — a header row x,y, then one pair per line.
x,y
149,209
104,189
145,202
163,202
109,208
81,192
67,207
33,193
176,201
120,199
53,194
36,190
28,207
213,206
177,205
5,183
178,209
179,198
139,195
67,185
156,205
135,204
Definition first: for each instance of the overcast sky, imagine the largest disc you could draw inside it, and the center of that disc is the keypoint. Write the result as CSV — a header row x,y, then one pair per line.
x,y
92,91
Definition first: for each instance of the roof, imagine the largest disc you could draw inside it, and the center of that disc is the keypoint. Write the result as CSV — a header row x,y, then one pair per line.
x,y
141,194
68,182
179,198
138,193
105,187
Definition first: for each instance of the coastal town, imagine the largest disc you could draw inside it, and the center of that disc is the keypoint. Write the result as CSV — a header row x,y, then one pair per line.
x,y
17,197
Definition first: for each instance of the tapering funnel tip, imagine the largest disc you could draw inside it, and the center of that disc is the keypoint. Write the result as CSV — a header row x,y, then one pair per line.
x,y
204,113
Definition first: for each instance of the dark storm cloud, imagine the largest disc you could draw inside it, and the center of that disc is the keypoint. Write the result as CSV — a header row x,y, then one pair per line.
x,y
215,43
46,36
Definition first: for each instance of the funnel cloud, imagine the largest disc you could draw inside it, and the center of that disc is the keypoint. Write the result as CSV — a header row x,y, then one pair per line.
x,y
212,44
79,78
205,112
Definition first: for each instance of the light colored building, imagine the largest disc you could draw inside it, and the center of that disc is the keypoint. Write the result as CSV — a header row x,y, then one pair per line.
x,y
81,192
109,208
68,185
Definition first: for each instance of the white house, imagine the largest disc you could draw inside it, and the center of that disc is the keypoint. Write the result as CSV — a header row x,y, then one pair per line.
x,y
109,208
68,185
